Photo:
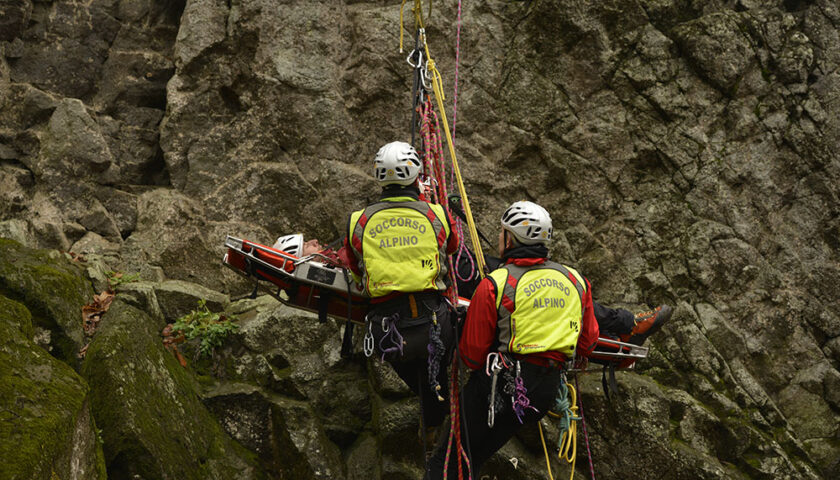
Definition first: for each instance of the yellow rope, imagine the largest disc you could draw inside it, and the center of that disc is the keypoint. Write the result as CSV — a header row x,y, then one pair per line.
x,y
545,451
402,25
437,89
568,444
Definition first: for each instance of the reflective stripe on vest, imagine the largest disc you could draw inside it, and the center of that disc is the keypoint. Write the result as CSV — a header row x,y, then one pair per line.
x,y
537,310
401,247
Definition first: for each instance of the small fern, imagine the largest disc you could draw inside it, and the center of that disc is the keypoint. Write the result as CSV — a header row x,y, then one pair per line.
x,y
211,328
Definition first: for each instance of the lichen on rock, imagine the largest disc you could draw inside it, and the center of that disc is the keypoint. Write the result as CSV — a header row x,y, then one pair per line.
x,y
53,289
46,427
153,423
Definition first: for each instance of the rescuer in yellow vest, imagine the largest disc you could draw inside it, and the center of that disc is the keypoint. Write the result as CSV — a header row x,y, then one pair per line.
x,y
397,249
525,321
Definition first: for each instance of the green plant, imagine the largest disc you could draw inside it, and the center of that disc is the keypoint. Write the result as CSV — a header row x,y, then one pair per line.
x,y
115,279
211,328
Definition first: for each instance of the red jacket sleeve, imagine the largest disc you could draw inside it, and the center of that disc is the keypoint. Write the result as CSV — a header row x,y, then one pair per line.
x,y
480,327
352,261
589,331
452,243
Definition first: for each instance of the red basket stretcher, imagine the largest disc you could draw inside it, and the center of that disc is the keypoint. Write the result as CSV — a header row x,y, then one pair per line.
x,y
310,283
315,284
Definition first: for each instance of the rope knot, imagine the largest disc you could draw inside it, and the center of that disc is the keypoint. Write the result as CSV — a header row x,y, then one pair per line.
x,y
389,327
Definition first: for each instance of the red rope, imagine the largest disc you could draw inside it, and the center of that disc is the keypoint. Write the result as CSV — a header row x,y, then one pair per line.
x,y
585,434
435,167
457,64
455,428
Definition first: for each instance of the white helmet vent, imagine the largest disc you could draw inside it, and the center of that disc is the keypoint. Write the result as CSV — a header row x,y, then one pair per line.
x,y
529,223
291,244
396,163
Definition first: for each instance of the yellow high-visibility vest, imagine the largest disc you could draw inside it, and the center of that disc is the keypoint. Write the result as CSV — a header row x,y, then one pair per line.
x,y
540,308
401,246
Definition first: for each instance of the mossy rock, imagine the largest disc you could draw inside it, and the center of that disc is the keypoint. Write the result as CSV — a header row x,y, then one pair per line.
x,y
154,424
178,298
303,449
52,288
46,429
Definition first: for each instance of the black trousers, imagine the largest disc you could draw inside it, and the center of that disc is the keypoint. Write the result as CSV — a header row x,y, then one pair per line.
x,y
412,363
542,384
613,321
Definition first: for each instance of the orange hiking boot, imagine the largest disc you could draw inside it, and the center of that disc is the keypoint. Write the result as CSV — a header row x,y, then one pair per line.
x,y
648,323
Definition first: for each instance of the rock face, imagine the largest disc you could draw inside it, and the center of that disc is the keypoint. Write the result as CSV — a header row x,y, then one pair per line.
x,y
53,288
686,149
47,429
147,405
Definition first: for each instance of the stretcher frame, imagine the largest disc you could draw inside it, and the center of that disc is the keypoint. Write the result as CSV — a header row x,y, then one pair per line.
x,y
302,280
322,288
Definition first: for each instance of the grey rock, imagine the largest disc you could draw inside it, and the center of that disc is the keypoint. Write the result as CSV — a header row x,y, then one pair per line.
x,y
304,450
15,19
122,207
48,283
95,218
717,48
72,145
142,295
202,27
361,463
25,106
93,243
49,430
15,183
139,392
17,230
399,426
178,298
173,235
245,414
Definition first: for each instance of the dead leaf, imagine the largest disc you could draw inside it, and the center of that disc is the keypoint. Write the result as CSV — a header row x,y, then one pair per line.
x,y
181,359
93,311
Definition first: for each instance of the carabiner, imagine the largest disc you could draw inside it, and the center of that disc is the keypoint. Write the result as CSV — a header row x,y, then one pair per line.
x,y
419,63
369,344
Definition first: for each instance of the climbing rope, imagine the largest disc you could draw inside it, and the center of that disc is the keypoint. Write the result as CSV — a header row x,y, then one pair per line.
x,y
457,64
435,167
454,442
431,73
565,408
462,247
436,350
389,328
520,401
585,434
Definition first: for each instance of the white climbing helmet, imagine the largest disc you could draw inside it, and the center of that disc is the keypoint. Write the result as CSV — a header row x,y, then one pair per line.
x,y
291,244
529,223
397,163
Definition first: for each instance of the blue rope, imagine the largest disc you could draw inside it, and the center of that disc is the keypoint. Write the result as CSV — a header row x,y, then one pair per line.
x,y
563,408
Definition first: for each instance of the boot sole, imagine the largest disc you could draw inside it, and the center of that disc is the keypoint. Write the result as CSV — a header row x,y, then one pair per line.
x,y
661,319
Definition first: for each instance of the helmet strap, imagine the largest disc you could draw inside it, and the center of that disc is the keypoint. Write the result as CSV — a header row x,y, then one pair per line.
x,y
509,241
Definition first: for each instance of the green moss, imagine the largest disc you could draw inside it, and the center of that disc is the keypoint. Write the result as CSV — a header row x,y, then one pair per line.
x,y
42,402
153,422
52,288
17,315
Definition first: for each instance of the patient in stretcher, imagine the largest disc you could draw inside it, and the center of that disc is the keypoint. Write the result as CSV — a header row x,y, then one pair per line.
x,y
295,245
616,323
